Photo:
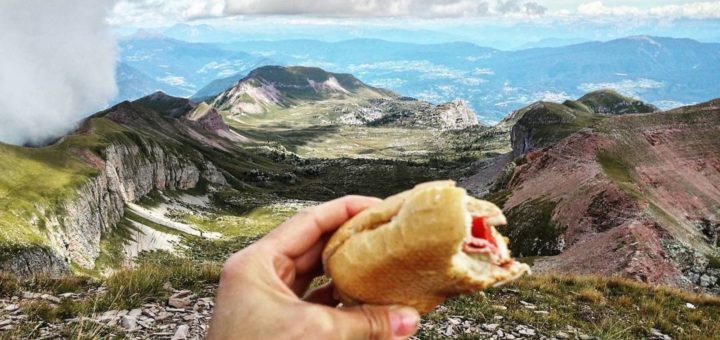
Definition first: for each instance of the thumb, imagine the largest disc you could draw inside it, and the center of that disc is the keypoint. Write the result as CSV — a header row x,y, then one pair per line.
x,y
377,322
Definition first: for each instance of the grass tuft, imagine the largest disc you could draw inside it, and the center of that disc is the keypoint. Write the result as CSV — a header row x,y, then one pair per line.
x,y
130,288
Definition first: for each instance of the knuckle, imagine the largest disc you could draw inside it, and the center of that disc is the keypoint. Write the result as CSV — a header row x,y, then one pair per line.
x,y
376,322
230,269
235,267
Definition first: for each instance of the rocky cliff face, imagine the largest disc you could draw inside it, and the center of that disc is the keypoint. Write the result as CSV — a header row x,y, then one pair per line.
x,y
542,124
127,172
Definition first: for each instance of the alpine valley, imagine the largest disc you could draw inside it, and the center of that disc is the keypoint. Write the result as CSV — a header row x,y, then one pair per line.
x,y
120,227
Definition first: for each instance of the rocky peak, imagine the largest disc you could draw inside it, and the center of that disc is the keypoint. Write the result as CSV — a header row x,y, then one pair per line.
x,y
123,113
305,77
207,117
167,105
456,115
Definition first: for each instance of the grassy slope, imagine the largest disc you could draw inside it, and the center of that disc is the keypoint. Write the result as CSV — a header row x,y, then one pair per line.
x,y
42,177
562,122
571,121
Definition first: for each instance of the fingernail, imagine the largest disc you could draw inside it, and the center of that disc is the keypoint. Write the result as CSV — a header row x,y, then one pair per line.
x,y
403,321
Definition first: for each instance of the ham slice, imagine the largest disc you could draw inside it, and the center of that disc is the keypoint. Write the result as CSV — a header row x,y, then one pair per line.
x,y
481,239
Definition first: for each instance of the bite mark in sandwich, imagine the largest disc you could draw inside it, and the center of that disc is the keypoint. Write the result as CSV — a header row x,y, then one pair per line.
x,y
420,247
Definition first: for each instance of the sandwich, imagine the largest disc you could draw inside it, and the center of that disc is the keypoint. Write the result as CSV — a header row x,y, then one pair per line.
x,y
420,247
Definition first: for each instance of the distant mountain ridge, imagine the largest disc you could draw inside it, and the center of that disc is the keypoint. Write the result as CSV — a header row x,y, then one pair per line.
x,y
345,99
665,72
276,86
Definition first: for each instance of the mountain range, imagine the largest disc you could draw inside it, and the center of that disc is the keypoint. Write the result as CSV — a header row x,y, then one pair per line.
x,y
147,198
604,184
666,72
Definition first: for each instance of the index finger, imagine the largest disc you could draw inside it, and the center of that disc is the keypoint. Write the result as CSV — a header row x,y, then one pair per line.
x,y
298,234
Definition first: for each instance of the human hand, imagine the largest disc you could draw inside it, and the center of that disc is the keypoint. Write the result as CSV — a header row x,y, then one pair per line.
x,y
261,286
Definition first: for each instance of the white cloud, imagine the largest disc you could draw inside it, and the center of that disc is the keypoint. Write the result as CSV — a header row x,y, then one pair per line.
x,y
517,6
388,83
692,10
58,64
483,71
628,87
360,8
172,80
598,9
207,8
550,96
695,10
158,12
427,69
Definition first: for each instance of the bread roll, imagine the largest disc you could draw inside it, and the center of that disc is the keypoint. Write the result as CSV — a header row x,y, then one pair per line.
x,y
420,247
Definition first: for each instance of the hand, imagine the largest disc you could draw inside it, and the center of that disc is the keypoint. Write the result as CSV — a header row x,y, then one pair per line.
x,y
260,287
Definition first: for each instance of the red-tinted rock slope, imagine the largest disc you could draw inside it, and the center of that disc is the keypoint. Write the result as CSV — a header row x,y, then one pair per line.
x,y
634,195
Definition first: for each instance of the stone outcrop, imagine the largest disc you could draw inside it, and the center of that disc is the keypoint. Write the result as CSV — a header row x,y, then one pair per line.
x,y
29,260
456,115
410,112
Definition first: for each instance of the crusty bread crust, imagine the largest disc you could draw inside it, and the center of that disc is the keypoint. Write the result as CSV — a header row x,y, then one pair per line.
x,y
408,250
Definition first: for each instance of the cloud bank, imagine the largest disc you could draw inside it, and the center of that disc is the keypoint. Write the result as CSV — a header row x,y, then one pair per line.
x,y
134,11
58,64
691,10
360,8
143,12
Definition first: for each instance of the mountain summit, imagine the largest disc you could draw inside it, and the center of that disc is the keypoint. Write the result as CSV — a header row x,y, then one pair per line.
x,y
309,96
271,87
543,123
611,102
